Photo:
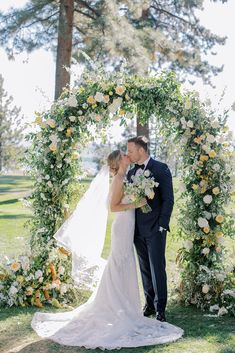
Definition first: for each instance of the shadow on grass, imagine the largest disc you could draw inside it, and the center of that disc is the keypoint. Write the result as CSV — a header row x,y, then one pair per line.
x,y
13,179
47,346
7,202
86,180
11,190
13,216
6,189
201,332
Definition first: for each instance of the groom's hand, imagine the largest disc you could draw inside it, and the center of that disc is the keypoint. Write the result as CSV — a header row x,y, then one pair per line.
x,y
161,229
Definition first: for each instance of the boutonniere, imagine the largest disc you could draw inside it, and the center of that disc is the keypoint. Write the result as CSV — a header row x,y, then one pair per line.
x,y
147,173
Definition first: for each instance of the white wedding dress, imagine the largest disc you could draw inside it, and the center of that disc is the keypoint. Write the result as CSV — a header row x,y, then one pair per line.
x,y
112,318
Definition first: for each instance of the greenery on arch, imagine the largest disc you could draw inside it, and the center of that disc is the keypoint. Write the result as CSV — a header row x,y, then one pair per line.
x,y
53,159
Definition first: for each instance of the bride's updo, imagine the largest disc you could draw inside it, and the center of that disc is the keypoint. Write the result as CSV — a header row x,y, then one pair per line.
x,y
113,161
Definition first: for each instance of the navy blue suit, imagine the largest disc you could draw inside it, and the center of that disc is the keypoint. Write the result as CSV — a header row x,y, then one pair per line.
x,y
150,243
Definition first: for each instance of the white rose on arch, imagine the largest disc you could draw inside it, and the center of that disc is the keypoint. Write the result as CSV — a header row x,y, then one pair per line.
x,y
38,274
207,214
215,124
222,311
210,138
214,308
206,148
72,101
207,199
188,244
190,124
13,290
99,97
115,105
53,138
216,167
72,118
202,222
205,251
205,288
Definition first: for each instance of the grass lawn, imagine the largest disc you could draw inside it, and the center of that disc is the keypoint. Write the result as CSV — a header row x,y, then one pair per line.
x,y
203,334
13,215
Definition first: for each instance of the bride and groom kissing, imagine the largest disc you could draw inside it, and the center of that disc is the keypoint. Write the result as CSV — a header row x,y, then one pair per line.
x,y
112,318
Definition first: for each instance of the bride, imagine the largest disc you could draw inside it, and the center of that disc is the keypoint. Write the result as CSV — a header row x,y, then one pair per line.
x,y
112,318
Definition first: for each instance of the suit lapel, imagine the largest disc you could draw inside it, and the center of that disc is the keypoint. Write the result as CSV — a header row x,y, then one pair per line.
x,y
150,164
130,173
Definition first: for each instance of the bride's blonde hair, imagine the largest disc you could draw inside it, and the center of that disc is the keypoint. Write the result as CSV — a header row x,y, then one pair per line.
x,y
113,161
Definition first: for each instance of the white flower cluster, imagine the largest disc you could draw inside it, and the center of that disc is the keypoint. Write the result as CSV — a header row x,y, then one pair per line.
x,y
141,186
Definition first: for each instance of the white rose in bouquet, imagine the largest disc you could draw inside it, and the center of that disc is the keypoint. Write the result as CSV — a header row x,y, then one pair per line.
x,y
141,186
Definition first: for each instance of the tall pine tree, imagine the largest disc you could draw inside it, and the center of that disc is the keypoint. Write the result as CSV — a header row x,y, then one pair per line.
x,y
145,33
10,131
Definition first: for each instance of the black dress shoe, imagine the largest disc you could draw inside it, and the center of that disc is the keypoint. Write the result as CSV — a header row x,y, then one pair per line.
x,y
147,311
161,317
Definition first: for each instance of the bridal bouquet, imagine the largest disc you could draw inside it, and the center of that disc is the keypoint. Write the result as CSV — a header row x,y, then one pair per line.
x,y
141,186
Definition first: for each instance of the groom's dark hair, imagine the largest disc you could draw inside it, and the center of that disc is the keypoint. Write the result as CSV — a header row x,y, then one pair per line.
x,y
140,141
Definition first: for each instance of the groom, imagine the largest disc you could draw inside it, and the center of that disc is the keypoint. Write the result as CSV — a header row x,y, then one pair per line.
x,y
151,228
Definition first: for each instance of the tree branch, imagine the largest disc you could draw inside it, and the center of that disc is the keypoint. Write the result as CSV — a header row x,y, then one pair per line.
x,y
38,19
85,14
80,30
170,14
87,6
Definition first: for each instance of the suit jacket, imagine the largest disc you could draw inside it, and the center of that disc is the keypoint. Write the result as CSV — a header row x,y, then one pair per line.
x,y
162,204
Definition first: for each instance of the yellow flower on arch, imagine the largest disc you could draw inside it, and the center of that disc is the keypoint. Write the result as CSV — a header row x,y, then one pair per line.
x,y
68,132
38,120
216,190
120,90
197,140
203,189
15,266
219,218
91,100
219,234
53,146
20,279
212,154
195,187
106,99
204,158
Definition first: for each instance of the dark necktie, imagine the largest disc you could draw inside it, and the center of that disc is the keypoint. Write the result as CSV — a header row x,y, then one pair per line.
x,y
137,166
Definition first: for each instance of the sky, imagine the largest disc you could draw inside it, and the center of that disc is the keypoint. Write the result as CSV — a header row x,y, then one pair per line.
x,y
30,78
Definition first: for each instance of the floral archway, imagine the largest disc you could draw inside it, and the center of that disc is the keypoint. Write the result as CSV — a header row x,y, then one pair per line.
x,y
53,160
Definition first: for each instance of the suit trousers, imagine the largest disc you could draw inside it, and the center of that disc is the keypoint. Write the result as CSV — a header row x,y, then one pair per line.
x,y
151,255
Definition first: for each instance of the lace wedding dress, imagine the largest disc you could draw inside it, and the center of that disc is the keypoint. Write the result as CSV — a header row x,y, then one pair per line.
x,y
112,318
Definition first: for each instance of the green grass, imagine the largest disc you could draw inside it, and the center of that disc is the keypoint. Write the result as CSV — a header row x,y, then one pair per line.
x,y
13,215
203,334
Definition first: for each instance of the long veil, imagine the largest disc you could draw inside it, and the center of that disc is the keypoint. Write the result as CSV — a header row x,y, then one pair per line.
x,y
83,233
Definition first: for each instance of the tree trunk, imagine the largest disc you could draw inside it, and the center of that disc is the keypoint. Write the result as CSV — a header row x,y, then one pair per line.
x,y
64,46
142,130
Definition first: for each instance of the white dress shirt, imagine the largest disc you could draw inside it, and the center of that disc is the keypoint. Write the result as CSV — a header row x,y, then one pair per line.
x,y
140,171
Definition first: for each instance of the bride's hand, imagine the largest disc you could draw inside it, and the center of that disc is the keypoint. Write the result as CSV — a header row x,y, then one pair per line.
x,y
141,203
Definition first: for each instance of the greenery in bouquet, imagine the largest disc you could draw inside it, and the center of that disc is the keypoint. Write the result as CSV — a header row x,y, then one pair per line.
x,y
141,186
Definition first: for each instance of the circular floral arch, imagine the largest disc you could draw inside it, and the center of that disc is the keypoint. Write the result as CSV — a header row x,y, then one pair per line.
x,y
53,158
